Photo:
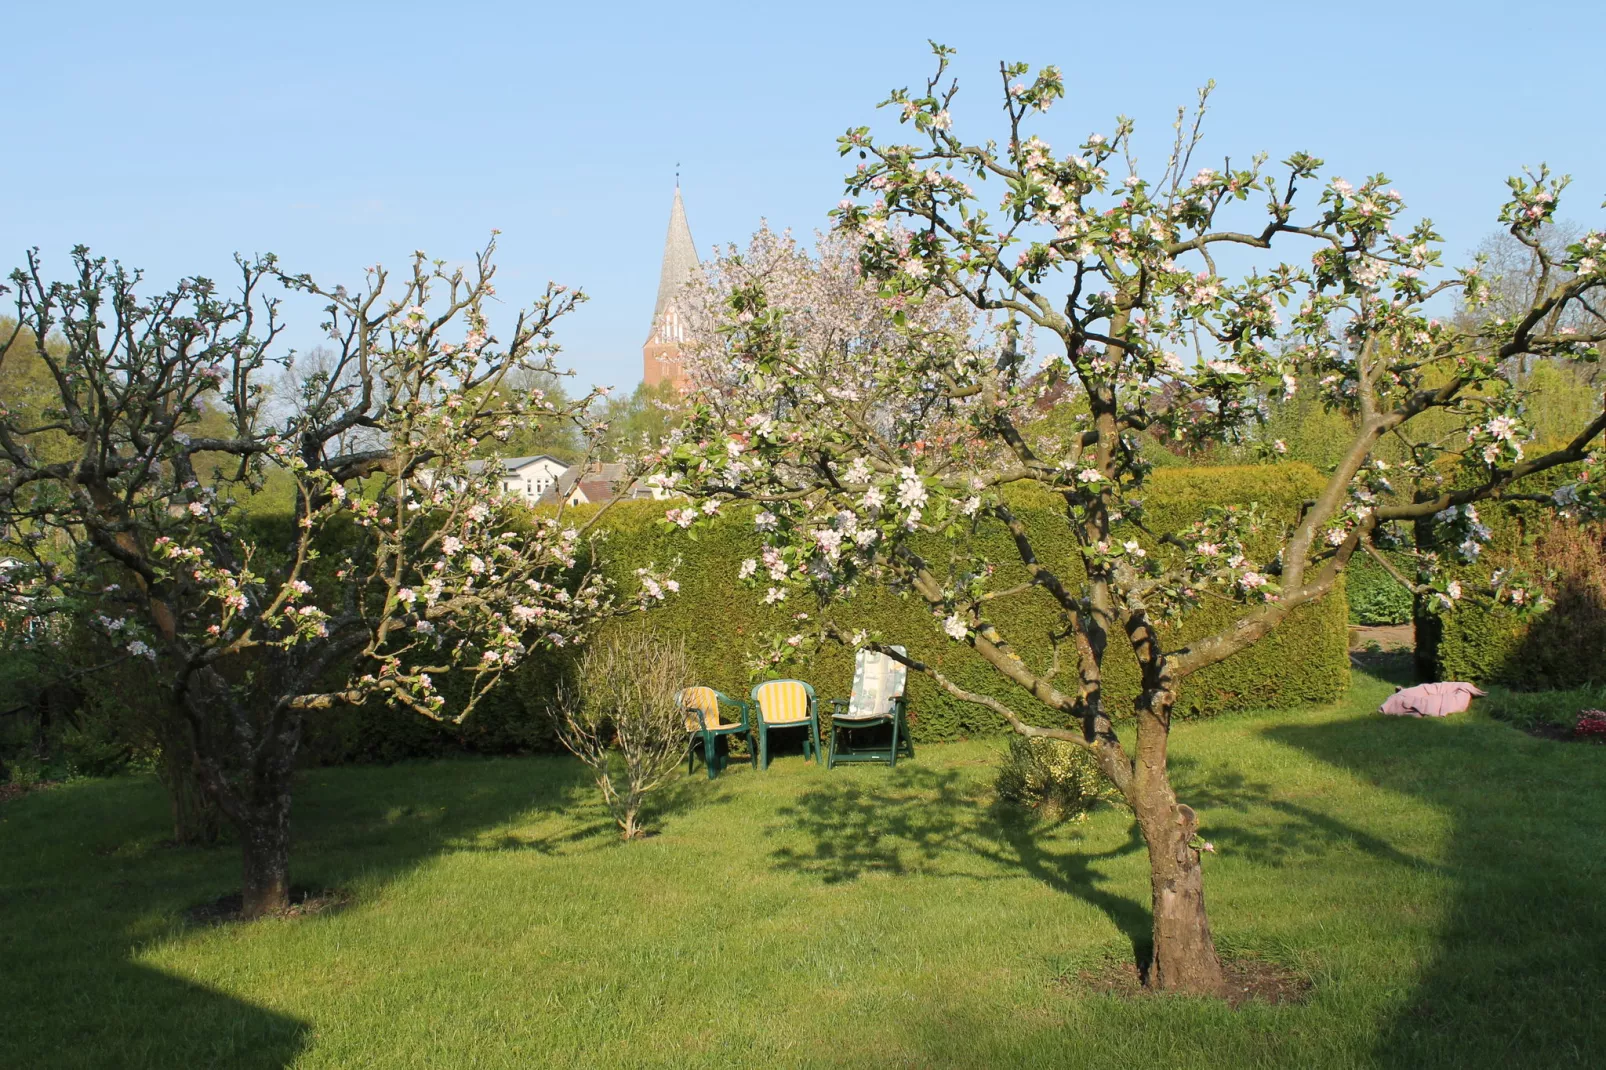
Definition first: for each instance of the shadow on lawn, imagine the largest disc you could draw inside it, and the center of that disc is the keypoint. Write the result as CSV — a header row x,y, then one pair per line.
x,y
918,817
1520,969
82,890
1300,831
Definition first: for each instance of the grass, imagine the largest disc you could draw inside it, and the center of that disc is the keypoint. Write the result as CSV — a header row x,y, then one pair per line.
x,y
1555,712
1439,881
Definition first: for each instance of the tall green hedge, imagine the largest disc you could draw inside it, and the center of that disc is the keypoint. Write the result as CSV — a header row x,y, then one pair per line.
x,y
1375,596
723,623
1562,647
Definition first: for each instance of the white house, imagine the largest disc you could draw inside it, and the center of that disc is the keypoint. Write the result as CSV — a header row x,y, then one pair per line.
x,y
530,477
546,479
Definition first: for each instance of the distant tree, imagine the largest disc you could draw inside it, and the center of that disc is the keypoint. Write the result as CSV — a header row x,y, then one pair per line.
x,y
642,420
541,433
886,464
397,565
1516,265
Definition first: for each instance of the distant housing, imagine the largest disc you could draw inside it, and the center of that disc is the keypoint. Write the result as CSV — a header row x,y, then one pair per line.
x,y
545,480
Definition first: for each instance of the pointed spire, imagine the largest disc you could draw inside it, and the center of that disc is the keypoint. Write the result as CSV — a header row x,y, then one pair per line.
x,y
680,257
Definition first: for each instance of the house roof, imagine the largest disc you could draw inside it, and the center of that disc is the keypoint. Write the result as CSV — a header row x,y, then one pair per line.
x,y
514,464
565,484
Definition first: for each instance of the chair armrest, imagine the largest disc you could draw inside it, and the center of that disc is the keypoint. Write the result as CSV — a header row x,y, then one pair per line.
x,y
744,710
839,704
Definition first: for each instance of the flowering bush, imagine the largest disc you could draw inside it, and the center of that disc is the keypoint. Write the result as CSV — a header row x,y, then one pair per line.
x,y
1591,726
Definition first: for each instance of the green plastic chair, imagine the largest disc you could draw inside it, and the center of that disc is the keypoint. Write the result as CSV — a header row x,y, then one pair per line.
x,y
706,721
877,701
786,704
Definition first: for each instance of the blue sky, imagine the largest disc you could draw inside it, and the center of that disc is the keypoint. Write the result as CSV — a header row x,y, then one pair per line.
x,y
338,134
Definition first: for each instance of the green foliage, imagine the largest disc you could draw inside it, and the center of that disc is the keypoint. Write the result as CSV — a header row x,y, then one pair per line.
x,y
1058,779
95,749
1542,710
541,433
1375,597
509,719
643,417
1564,646
25,772
726,625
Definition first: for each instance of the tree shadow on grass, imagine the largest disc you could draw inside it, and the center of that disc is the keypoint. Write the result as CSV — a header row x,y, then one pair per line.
x,y
1227,798
933,822
85,885
1520,968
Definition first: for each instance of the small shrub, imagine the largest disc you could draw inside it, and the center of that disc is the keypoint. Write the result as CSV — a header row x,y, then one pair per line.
x,y
26,773
1058,779
619,716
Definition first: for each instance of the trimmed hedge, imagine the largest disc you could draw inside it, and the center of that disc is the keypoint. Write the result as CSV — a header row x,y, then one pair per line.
x,y
1375,597
723,623
1563,647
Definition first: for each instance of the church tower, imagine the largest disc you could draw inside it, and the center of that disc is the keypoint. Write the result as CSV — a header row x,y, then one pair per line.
x,y
660,357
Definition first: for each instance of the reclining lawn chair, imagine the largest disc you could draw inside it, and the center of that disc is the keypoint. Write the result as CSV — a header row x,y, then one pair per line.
x,y
786,704
708,716
877,702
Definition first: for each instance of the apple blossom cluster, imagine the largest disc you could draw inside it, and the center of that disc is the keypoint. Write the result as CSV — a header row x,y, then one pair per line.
x,y
1460,527
1583,498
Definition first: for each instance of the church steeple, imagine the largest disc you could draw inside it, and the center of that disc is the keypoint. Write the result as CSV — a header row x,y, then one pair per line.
x,y
661,355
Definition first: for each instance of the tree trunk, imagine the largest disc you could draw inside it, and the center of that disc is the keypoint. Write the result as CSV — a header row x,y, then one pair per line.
x,y
256,800
265,844
196,819
1185,958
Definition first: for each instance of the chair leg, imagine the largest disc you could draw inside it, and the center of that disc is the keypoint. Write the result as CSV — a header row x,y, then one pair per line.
x,y
814,735
763,747
708,753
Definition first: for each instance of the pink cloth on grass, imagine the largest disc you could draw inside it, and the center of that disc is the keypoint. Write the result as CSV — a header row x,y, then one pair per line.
x,y
1431,700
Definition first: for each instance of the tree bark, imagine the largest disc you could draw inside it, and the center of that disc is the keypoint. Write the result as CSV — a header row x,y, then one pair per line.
x,y
265,845
1184,956
256,798
196,819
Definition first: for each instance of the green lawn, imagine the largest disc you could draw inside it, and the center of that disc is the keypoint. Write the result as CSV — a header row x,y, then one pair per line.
x,y
1441,882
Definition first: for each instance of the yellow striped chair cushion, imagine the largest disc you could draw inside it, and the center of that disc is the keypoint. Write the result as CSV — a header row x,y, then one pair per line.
x,y
704,699
782,701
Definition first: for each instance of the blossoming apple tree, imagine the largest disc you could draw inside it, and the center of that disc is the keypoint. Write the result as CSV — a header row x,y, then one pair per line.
x,y
402,560
863,447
